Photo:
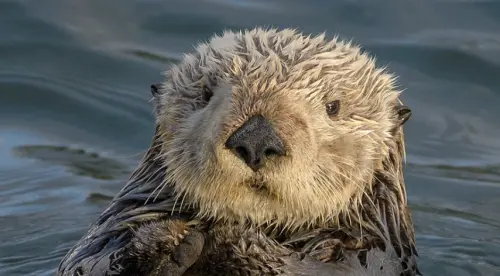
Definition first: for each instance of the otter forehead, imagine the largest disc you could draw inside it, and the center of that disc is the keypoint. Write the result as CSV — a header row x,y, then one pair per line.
x,y
259,63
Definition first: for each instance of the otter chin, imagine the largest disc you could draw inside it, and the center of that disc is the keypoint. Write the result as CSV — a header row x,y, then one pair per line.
x,y
275,153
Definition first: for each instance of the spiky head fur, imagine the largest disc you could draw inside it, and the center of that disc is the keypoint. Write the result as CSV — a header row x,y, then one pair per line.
x,y
330,162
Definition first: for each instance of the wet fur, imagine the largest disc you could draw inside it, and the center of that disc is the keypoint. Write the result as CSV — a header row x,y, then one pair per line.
x,y
338,197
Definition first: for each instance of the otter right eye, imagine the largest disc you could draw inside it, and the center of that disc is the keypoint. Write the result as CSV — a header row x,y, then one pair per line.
x,y
333,108
206,94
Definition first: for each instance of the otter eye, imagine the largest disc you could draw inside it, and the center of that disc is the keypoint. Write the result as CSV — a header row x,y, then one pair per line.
x,y
332,108
206,94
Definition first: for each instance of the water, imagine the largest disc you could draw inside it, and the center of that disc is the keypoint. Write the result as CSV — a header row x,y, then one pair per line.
x,y
75,117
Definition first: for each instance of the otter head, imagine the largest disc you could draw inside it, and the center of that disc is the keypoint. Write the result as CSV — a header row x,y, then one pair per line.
x,y
271,127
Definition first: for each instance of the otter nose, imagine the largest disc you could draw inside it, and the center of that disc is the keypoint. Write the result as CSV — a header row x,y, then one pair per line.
x,y
254,141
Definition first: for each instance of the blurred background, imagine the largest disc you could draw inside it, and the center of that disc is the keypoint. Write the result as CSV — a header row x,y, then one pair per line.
x,y
75,117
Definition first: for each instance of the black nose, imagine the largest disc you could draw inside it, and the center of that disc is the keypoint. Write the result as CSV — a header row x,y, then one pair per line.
x,y
254,141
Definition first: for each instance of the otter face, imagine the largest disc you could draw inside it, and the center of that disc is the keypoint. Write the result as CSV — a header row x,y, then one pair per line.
x,y
271,127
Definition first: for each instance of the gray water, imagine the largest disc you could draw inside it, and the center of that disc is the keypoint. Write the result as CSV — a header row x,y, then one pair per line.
x,y
75,117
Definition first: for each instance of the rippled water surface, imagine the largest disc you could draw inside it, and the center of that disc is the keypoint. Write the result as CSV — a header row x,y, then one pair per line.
x,y
75,116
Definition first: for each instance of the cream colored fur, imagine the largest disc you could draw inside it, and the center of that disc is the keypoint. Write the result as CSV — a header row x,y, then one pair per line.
x,y
330,162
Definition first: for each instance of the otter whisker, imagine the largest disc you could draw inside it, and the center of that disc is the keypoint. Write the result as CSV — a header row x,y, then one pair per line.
x,y
156,188
182,201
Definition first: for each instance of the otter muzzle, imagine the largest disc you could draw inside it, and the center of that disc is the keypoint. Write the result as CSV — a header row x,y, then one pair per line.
x,y
255,141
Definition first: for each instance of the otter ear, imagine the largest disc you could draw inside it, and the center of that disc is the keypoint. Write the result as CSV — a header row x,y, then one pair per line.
x,y
155,89
404,113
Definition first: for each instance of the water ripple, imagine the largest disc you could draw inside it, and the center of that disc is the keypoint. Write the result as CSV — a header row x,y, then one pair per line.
x,y
74,102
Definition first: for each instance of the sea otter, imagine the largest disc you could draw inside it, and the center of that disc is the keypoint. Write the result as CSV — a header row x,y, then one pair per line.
x,y
275,153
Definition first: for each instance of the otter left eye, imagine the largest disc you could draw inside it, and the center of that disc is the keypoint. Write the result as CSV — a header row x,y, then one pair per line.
x,y
332,108
207,94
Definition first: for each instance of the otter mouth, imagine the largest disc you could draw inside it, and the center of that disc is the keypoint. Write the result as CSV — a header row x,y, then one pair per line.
x,y
258,185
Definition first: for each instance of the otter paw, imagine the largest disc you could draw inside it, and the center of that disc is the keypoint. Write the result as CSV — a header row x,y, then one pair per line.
x,y
189,249
300,264
165,247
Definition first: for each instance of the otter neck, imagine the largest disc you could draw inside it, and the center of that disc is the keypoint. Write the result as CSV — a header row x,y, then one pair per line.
x,y
383,212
